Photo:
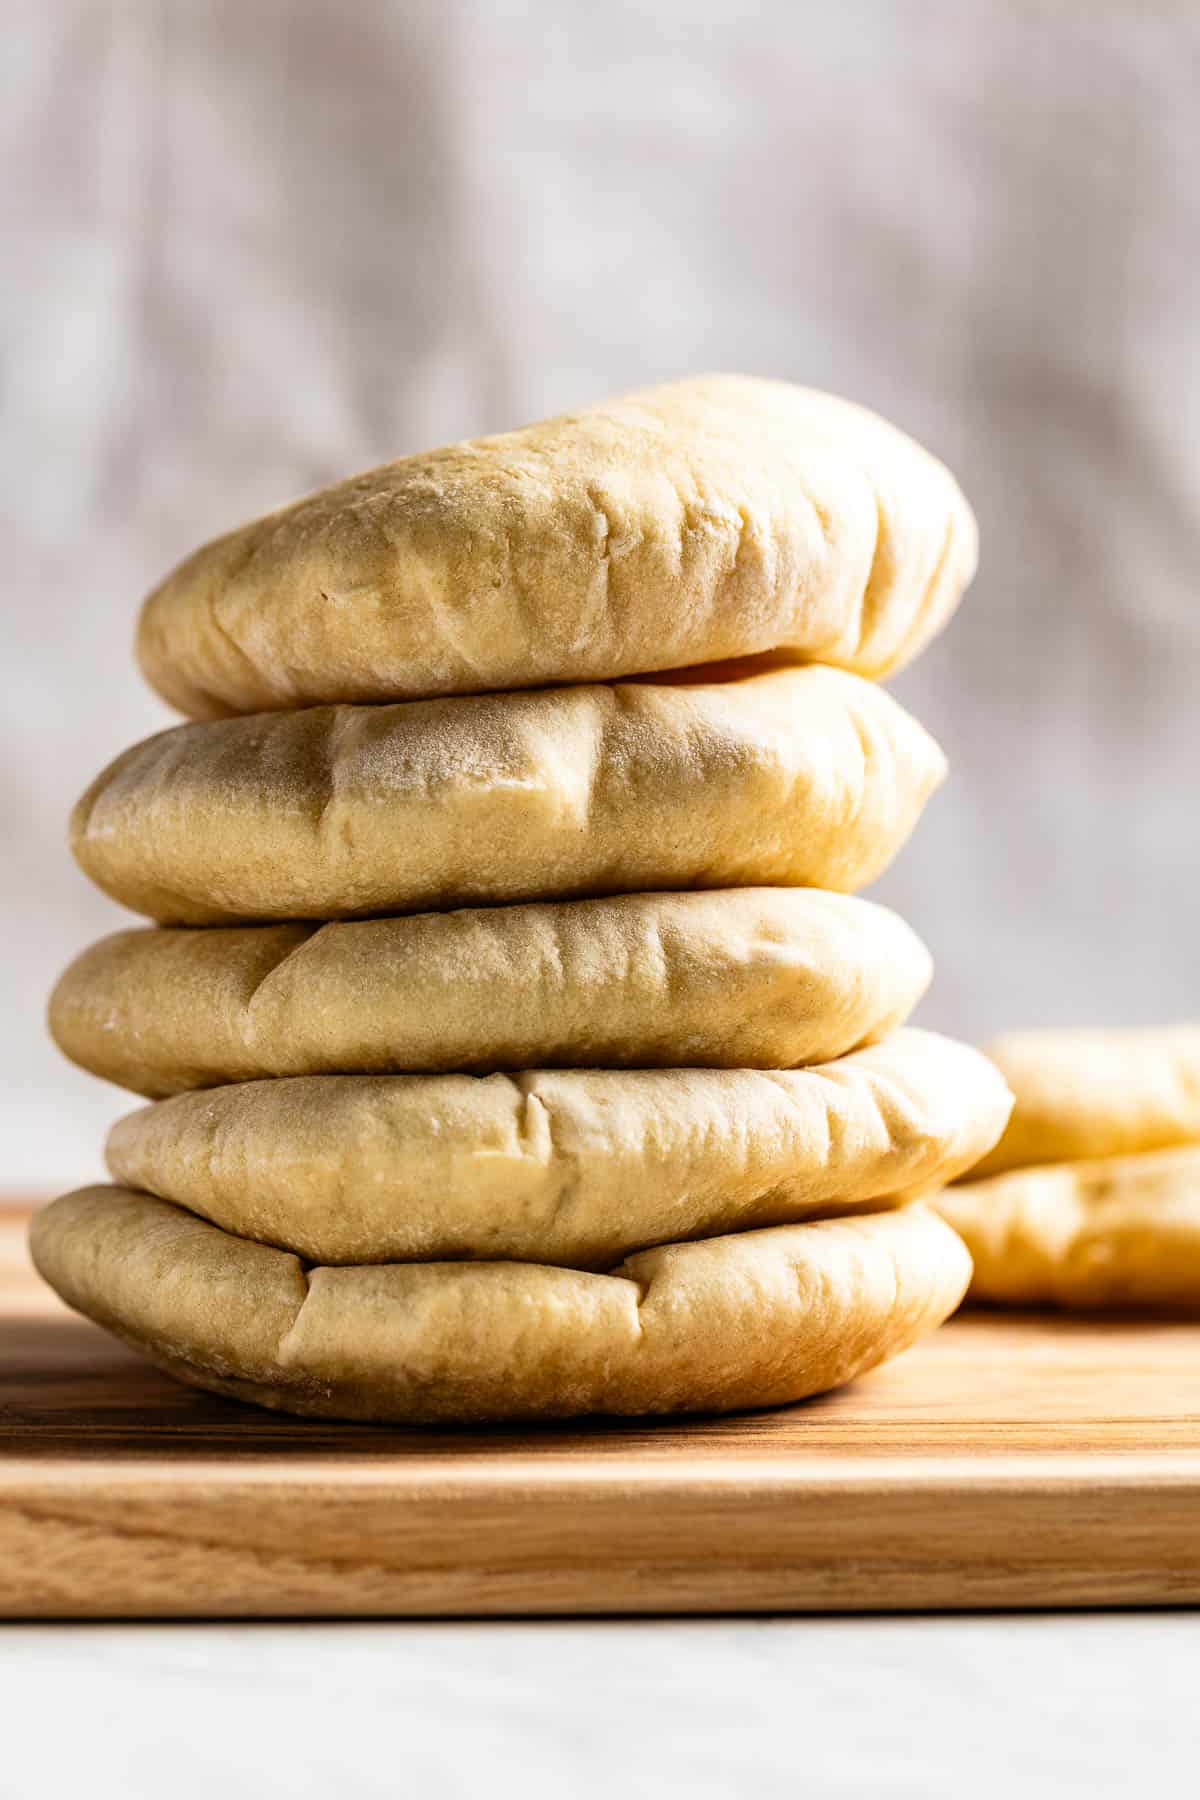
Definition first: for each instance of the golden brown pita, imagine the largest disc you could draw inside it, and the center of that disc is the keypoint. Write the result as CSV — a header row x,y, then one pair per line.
x,y
797,778
574,1166
713,518
1097,1093
756,1319
1121,1232
745,978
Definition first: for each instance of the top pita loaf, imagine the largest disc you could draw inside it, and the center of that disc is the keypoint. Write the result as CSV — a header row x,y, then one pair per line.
x,y
715,518
1083,1094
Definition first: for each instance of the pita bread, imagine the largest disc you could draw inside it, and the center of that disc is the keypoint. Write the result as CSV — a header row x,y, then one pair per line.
x,y
1096,1093
713,518
1119,1232
795,778
745,978
575,1167
751,1320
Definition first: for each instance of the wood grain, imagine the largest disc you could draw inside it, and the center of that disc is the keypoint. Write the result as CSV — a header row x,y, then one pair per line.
x,y
1008,1461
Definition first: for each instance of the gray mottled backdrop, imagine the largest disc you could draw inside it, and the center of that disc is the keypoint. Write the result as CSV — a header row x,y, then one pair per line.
x,y
249,247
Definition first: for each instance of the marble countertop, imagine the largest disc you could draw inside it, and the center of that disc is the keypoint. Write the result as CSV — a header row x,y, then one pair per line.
x,y
1066,1705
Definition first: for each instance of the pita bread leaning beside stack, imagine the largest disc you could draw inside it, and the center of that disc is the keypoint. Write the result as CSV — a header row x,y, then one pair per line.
x,y
1092,1196
534,1056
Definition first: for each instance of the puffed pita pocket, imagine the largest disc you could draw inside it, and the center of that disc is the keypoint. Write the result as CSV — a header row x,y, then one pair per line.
x,y
1086,1094
736,978
1114,1233
571,1166
794,778
756,1319
711,518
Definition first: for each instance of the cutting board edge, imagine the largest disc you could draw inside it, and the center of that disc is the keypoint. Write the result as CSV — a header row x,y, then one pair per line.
x,y
146,1549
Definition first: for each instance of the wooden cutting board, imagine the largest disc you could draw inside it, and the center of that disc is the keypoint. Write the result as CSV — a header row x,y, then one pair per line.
x,y
1005,1462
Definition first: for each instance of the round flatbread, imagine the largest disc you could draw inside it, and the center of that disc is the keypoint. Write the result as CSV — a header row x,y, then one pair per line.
x,y
796,778
1123,1232
575,1167
713,518
757,1319
1096,1093
745,978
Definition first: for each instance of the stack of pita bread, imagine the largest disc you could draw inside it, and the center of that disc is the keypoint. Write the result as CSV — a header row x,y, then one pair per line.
x,y
516,1044
1091,1199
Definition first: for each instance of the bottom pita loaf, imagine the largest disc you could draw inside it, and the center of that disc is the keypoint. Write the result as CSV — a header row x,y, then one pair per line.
x,y
1118,1233
755,1319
